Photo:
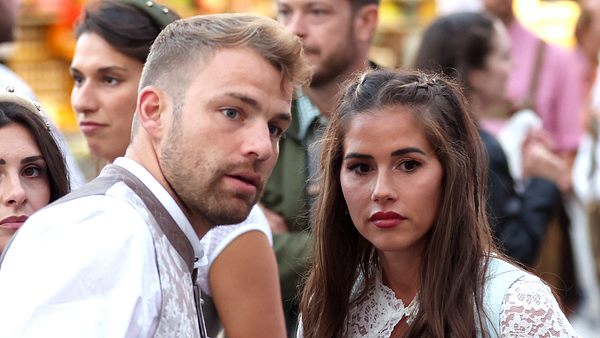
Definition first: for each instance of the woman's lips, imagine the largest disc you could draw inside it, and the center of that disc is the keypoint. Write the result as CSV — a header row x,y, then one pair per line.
x,y
387,219
13,222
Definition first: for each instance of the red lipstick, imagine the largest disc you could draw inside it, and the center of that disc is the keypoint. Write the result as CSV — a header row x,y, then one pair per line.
x,y
386,219
13,222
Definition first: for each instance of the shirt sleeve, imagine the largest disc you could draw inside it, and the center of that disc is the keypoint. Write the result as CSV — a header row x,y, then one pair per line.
x,y
81,275
530,310
219,237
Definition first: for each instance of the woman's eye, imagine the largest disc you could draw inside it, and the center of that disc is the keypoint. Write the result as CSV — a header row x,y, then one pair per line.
x,y
111,81
409,165
32,172
360,168
230,113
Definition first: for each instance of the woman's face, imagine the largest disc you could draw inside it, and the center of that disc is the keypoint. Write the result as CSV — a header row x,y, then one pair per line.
x,y
104,95
391,179
489,83
24,184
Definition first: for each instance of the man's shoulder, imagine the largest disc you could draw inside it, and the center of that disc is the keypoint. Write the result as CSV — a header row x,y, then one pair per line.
x,y
103,211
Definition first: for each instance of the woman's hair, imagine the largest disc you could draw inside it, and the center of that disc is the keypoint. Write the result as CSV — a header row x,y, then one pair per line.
x,y
456,44
129,26
454,260
14,113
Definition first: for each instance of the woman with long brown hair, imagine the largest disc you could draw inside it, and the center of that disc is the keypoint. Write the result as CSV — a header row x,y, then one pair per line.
x,y
402,241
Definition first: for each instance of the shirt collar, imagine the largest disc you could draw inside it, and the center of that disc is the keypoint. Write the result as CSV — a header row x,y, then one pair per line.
x,y
167,201
307,112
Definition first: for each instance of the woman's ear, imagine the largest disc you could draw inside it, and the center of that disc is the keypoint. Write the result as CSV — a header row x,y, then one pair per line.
x,y
365,22
151,103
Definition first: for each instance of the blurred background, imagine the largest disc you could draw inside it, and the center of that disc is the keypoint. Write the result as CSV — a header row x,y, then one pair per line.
x,y
42,52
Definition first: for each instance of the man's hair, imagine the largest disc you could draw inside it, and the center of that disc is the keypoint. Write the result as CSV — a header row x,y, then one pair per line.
x,y
360,3
182,47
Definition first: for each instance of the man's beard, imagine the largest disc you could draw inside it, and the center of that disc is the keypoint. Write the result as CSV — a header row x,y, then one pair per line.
x,y
199,188
334,66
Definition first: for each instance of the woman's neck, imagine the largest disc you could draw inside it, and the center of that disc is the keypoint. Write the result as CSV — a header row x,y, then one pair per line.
x,y
400,272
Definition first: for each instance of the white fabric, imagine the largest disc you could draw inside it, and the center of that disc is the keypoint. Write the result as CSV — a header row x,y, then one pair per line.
x,y
9,78
86,267
528,310
218,238
513,135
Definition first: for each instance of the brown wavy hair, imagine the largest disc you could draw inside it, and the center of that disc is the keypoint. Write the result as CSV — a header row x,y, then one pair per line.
x,y
458,244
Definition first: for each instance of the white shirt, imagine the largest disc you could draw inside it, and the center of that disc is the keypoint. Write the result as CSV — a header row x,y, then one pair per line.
x,y
218,238
86,267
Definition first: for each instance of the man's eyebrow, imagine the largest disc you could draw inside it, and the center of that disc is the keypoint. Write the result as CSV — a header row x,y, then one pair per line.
x,y
246,99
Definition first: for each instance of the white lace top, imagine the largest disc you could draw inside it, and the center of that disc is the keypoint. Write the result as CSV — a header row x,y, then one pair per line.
x,y
528,310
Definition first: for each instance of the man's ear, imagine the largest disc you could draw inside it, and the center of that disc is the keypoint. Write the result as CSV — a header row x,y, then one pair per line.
x,y
151,104
365,22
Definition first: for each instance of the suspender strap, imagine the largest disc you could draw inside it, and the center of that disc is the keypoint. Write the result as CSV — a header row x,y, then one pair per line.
x,y
529,101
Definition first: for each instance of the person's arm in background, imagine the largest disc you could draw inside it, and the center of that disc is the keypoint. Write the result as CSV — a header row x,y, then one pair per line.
x,y
245,288
518,220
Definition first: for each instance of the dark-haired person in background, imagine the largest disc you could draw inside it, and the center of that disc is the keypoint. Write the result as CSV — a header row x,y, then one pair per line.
x,y
32,168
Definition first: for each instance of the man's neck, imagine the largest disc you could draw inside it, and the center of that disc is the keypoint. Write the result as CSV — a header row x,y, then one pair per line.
x,y
325,95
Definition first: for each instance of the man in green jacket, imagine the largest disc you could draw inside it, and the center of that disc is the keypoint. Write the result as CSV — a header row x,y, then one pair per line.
x,y
336,35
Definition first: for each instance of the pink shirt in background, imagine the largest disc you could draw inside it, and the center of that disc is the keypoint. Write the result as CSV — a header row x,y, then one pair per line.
x,y
559,98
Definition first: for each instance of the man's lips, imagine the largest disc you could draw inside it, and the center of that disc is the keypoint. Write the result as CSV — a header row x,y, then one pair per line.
x,y
386,219
13,222
249,181
88,127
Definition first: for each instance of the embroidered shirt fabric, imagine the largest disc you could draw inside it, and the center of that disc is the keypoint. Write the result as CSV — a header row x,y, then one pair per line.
x,y
528,310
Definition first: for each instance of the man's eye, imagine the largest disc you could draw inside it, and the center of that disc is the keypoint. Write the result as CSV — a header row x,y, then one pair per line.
x,y
275,131
230,113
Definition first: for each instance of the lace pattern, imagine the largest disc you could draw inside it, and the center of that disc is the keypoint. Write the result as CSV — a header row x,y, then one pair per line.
x,y
379,313
530,310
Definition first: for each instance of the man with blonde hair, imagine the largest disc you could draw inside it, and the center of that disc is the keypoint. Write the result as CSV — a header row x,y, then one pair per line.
x,y
118,257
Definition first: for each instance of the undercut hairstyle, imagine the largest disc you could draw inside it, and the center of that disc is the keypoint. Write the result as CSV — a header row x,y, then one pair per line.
x,y
128,29
459,243
184,46
12,113
456,44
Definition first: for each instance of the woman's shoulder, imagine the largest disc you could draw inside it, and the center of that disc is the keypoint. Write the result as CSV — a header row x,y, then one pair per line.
x,y
530,308
519,302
